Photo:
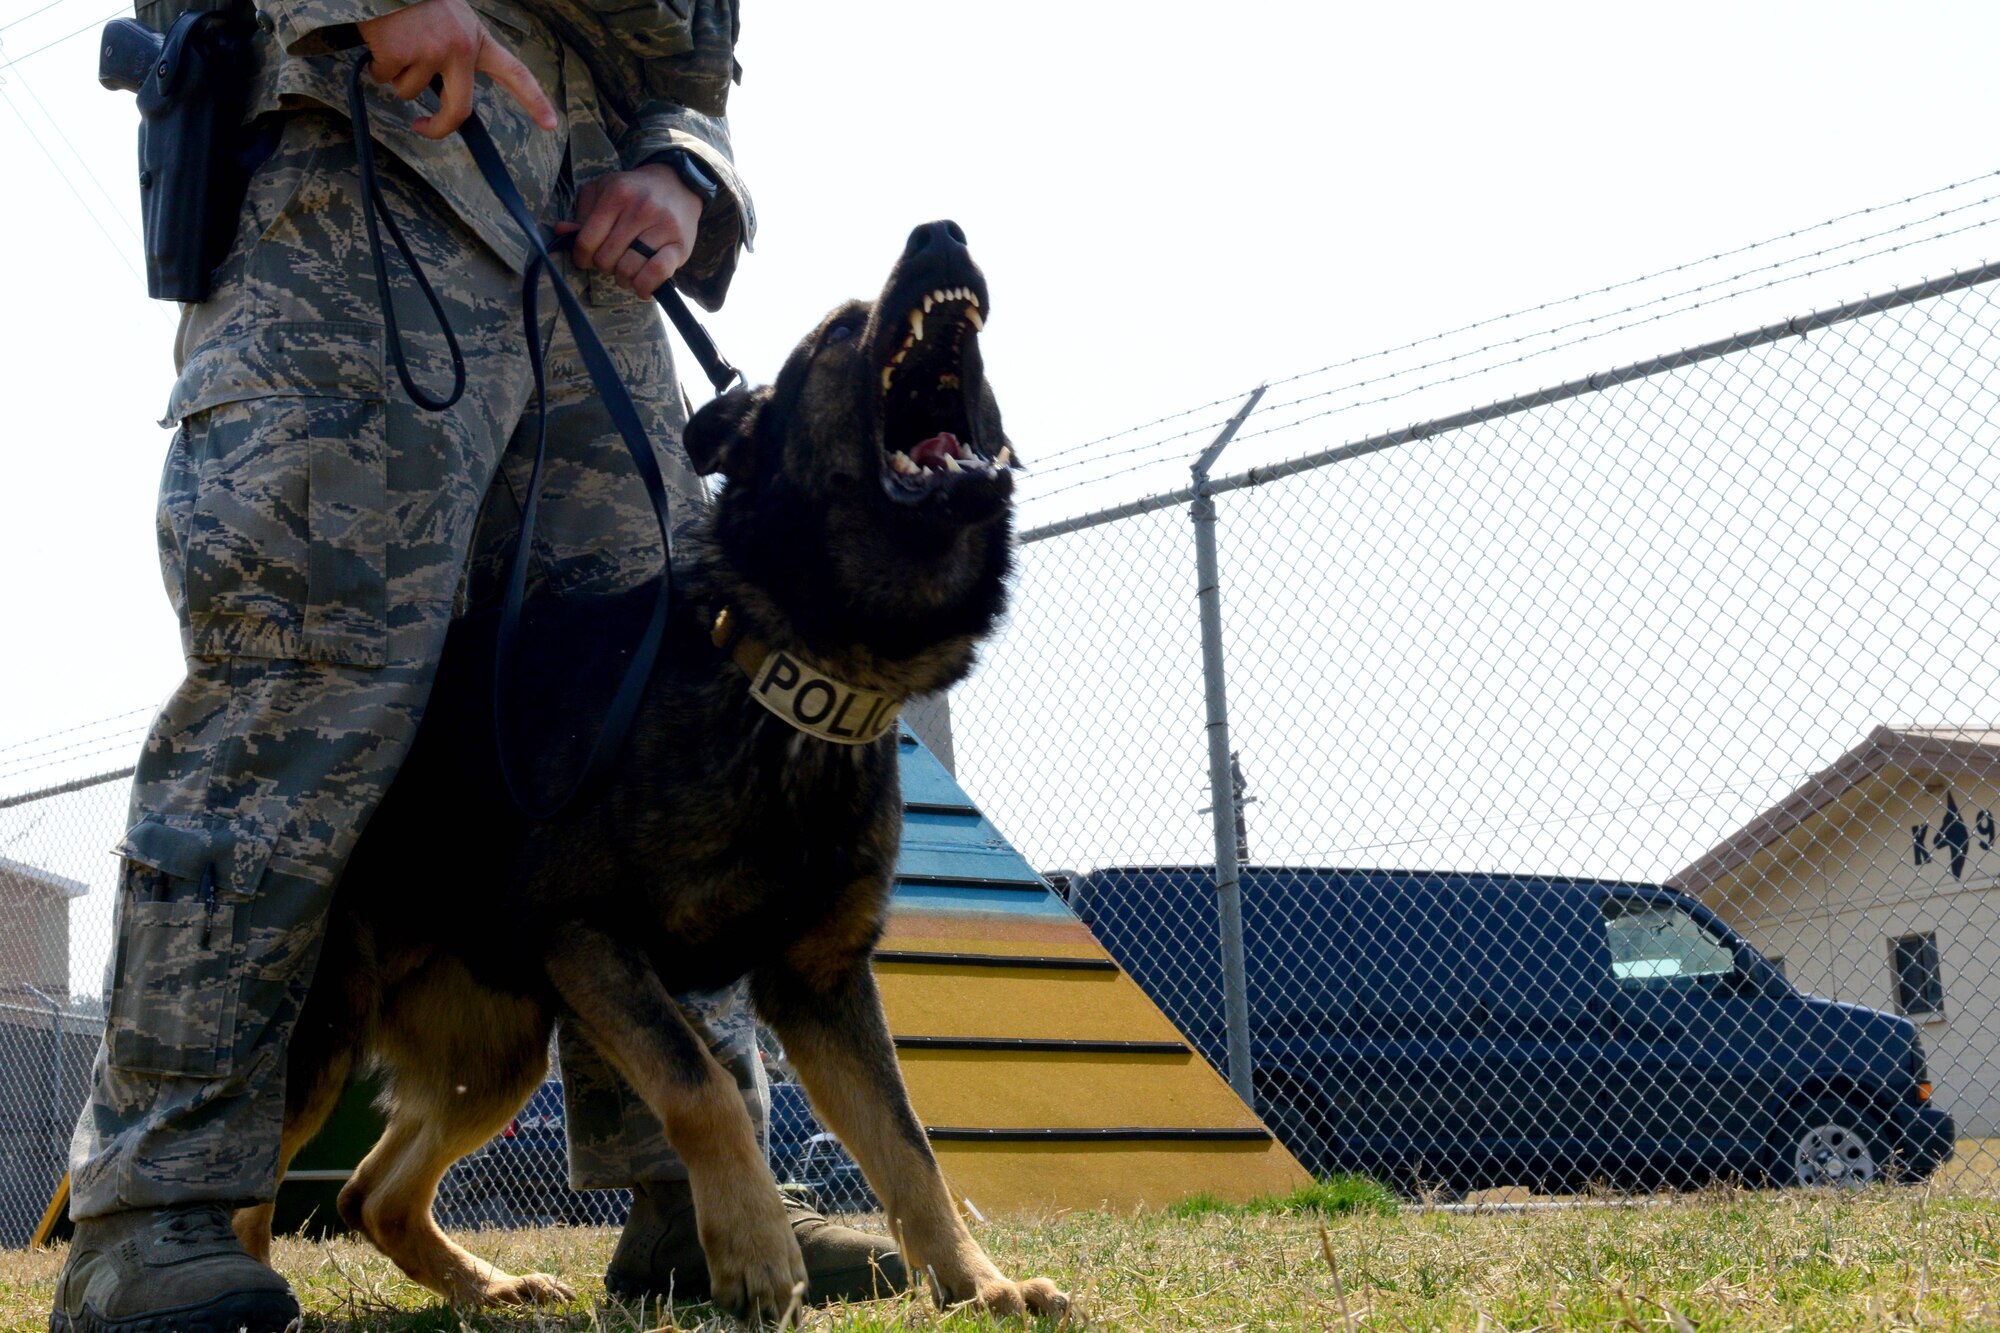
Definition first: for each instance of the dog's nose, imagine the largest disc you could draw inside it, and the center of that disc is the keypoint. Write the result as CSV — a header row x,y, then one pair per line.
x,y
943,236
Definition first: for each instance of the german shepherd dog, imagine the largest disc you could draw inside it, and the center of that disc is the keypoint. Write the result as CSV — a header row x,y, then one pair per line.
x,y
863,532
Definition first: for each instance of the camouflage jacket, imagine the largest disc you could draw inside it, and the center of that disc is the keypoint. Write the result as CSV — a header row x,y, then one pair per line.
x,y
632,78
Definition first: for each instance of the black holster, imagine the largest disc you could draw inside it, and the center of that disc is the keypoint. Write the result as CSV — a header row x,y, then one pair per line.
x,y
193,86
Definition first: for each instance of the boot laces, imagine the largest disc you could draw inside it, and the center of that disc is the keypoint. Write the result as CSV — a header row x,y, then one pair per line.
x,y
199,1225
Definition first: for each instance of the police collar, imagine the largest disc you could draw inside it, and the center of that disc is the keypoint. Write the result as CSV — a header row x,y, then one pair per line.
x,y
801,694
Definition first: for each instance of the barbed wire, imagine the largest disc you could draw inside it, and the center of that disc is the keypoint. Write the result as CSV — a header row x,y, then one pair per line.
x,y
122,746
1531,310
1045,470
1292,423
1623,328
72,730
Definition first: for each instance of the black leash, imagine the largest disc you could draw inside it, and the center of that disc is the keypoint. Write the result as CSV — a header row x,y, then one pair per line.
x,y
617,401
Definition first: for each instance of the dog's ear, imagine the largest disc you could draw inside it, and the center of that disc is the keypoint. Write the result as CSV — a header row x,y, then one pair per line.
x,y
722,437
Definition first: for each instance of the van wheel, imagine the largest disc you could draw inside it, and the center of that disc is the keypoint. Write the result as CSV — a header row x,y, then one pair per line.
x,y
1830,1142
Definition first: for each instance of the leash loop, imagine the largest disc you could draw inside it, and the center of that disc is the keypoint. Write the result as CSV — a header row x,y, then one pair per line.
x,y
373,202
618,404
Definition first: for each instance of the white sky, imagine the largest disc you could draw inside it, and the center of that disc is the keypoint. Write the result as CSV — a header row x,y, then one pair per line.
x,y
1171,202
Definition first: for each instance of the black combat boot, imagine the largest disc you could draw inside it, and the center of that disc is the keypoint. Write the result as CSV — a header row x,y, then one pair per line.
x,y
659,1253
167,1270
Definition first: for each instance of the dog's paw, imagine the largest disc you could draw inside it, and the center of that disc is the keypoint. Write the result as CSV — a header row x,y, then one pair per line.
x,y
999,1295
756,1272
527,1289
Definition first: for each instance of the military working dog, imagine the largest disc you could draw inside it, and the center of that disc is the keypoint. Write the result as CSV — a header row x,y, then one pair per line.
x,y
854,558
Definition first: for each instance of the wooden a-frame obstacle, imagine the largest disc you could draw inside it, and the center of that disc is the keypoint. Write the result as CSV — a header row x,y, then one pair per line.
x,y
1046,1078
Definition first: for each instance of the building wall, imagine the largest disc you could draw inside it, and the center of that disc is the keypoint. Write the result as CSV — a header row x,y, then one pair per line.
x,y
1832,896
34,943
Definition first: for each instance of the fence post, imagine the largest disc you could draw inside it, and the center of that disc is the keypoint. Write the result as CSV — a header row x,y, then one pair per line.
x,y
1229,892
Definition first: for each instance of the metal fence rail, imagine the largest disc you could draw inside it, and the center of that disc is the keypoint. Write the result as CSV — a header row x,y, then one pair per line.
x,y
1569,756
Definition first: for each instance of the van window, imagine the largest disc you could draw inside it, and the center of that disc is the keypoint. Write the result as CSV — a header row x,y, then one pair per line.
x,y
1658,944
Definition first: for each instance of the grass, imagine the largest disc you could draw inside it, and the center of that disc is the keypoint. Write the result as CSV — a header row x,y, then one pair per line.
x,y
1336,1196
1323,1259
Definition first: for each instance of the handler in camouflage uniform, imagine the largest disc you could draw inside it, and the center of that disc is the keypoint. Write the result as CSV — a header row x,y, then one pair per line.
x,y
317,530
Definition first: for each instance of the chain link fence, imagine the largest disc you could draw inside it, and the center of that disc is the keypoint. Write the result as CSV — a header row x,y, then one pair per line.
x,y
57,889
1594,789
1608,775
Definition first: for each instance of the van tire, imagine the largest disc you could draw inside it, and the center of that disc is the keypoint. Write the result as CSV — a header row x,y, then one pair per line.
x,y
1831,1142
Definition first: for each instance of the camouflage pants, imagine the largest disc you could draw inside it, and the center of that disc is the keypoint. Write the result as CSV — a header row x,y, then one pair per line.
x,y
317,530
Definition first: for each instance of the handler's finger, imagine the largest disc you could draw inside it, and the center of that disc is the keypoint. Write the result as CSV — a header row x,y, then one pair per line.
x,y
411,80
596,223
454,103
628,267
617,244
666,261
385,71
516,78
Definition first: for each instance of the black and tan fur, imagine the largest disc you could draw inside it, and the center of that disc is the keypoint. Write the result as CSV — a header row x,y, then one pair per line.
x,y
724,844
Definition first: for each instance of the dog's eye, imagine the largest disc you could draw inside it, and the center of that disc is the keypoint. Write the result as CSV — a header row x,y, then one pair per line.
x,y
840,333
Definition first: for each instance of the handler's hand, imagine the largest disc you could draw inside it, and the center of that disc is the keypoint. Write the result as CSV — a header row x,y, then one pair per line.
x,y
652,205
435,38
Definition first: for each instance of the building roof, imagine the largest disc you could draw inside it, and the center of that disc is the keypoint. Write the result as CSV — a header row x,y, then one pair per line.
x,y
18,876
1952,751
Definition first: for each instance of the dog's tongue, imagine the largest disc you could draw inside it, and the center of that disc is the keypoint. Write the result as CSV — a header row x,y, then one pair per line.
x,y
932,452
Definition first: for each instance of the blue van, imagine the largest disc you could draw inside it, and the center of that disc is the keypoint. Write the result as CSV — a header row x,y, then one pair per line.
x,y
1459,1031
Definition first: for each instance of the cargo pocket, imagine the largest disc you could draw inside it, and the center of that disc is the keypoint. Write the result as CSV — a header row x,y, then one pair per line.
x,y
178,969
286,544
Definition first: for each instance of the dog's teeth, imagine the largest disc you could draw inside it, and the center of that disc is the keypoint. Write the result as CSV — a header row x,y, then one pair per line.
x,y
887,375
972,318
901,462
964,452
917,324
973,297
951,464
1005,458
928,303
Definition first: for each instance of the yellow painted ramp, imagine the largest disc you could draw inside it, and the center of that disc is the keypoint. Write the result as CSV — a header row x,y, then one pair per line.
x,y
1046,1078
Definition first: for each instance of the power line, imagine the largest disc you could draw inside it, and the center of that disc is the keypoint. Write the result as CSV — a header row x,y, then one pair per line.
x,y
30,14
69,184
55,124
65,37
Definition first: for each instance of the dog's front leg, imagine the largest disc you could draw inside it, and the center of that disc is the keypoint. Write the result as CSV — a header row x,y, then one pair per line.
x,y
754,1266
837,1038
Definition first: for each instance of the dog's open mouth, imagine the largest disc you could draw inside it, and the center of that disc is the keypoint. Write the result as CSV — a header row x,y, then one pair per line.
x,y
930,379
